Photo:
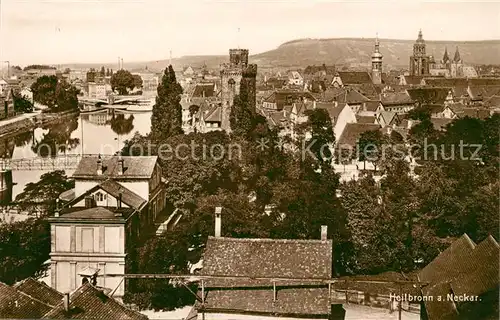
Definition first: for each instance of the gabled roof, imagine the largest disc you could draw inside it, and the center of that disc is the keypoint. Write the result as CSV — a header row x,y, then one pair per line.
x,y
461,268
396,98
354,77
128,197
88,302
135,167
388,116
15,304
353,131
39,291
267,258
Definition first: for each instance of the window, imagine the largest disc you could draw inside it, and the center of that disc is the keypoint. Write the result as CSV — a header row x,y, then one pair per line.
x,y
99,196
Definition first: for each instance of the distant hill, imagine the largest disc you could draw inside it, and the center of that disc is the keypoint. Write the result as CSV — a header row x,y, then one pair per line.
x,y
352,51
300,53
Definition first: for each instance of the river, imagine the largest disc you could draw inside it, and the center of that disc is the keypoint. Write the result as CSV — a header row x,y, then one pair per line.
x,y
101,133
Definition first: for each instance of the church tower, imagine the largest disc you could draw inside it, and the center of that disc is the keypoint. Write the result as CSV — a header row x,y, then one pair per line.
x,y
377,64
234,74
419,61
457,67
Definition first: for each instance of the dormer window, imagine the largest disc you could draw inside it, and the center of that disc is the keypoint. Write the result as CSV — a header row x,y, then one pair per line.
x,y
99,196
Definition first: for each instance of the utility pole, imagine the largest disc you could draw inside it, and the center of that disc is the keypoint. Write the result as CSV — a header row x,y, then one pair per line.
x,y
122,63
119,63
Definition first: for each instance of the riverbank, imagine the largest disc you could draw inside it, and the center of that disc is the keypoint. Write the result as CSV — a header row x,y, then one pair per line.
x,y
30,121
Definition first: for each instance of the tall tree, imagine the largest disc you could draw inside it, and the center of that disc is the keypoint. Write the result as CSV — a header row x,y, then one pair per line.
x,y
166,120
242,113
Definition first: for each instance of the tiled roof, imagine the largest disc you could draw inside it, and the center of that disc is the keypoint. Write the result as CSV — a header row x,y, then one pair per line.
x,y
484,82
283,98
446,82
128,197
204,90
365,119
15,304
483,92
429,95
354,77
135,167
479,113
88,302
306,302
371,106
396,98
368,90
352,131
39,291
461,268
413,80
267,258
277,118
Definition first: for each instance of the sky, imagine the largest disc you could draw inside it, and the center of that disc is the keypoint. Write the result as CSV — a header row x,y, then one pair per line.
x,y
58,32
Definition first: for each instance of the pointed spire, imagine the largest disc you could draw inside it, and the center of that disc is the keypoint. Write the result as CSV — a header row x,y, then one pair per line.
x,y
457,56
446,58
420,37
377,43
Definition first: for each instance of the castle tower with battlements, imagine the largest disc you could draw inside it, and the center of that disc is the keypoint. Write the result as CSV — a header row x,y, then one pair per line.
x,y
233,75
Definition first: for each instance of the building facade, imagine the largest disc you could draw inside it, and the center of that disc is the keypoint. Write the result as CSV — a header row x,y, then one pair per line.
x,y
116,203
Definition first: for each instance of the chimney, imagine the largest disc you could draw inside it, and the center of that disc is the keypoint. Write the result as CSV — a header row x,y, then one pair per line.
x,y
314,104
99,165
119,200
120,166
324,233
66,302
218,211
89,202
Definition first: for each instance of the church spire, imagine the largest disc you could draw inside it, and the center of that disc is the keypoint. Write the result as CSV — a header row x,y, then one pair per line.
x,y
446,58
420,37
457,56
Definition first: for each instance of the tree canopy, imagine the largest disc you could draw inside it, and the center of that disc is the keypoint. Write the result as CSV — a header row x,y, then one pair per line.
x,y
55,93
122,81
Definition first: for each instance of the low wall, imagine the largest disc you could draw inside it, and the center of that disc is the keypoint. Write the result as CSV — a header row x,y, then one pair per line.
x,y
29,123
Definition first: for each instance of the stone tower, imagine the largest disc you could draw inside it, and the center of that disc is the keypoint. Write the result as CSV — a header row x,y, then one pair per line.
x,y
457,67
234,74
377,64
419,61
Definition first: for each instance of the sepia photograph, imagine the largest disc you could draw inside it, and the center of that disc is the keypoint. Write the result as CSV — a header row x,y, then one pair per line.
x,y
250,160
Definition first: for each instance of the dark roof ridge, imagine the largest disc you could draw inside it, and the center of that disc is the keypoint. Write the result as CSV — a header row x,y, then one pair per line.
x,y
27,295
39,282
269,240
